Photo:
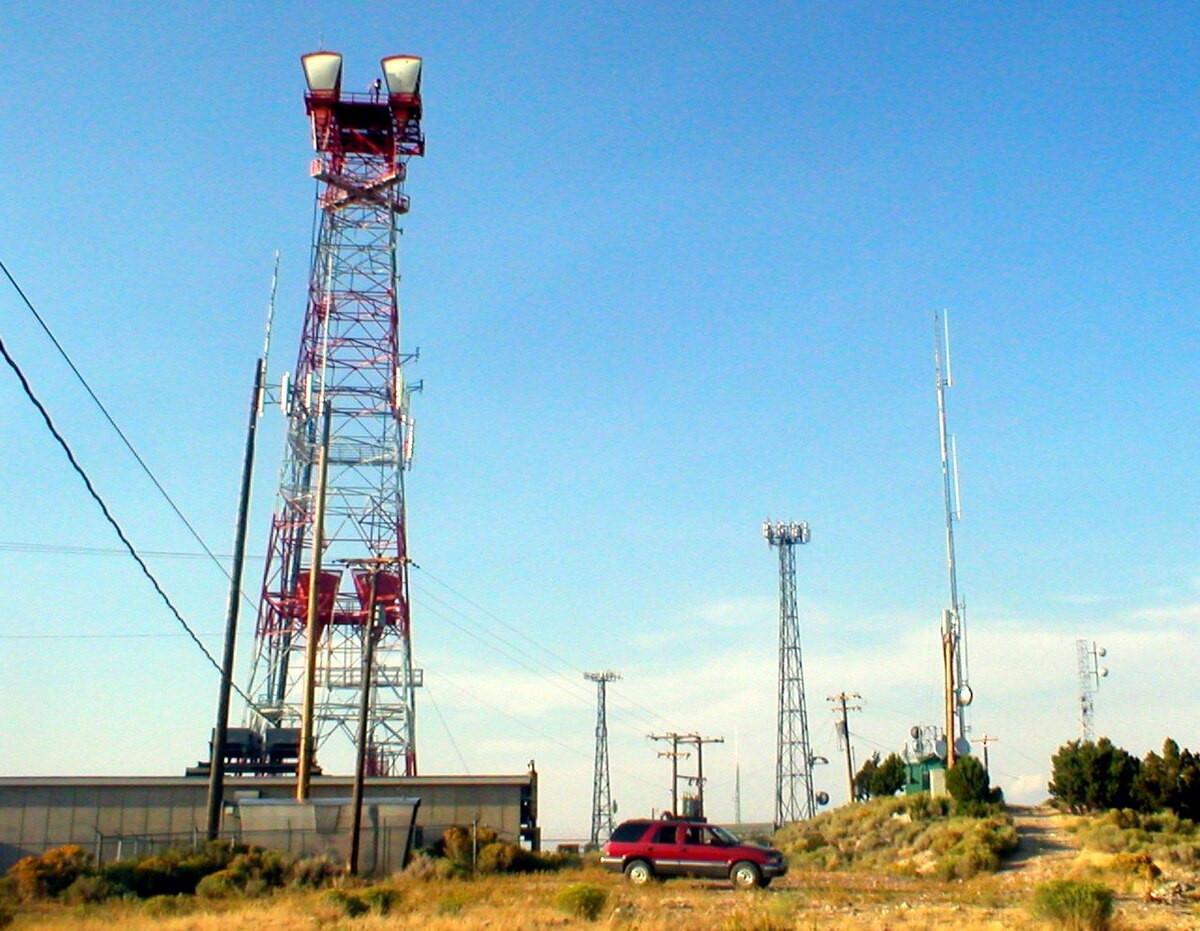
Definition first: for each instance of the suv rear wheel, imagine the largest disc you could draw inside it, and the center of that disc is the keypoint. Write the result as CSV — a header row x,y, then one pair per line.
x,y
638,872
746,875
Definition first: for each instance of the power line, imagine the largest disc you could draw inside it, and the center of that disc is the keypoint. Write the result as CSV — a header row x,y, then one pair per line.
x,y
91,489
446,728
107,416
66,549
97,636
536,643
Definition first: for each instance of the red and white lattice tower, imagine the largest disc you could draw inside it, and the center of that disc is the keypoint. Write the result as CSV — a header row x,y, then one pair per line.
x,y
349,360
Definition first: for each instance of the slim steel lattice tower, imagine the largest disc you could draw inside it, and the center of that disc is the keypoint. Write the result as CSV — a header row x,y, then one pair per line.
x,y
347,404
794,800
1087,661
602,806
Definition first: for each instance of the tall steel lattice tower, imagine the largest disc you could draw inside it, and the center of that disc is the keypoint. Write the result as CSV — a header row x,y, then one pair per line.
x,y
794,799
338,536
1087,662
602,805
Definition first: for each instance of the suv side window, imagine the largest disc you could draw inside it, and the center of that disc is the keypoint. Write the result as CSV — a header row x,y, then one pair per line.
x,y
694,835
629,832
665,834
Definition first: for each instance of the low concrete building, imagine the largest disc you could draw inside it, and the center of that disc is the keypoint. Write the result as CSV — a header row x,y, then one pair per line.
x,y
114,817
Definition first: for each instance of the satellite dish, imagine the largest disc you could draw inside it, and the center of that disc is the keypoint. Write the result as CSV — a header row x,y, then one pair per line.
x,y
962,746
822,798
965,695
915,733
1102,652
1104,672
939,747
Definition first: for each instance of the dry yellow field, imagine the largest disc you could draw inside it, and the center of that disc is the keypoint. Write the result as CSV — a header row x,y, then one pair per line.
x,y
801,901
875,901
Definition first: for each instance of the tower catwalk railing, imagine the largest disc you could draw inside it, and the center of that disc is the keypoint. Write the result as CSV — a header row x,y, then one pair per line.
x,y
349,360
794,796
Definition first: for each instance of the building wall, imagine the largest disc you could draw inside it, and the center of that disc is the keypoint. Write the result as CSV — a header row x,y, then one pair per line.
x,y
106,815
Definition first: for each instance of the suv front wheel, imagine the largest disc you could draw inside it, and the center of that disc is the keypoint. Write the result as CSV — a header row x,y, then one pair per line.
x,y
638,872
746,875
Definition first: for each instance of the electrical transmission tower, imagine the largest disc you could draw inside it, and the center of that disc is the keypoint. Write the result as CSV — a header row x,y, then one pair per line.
x,y
349,442
602,805
1087,661
958,694
794,799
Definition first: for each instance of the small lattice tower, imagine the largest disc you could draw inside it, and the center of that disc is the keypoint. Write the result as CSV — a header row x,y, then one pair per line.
x,y
602,806
349,365
1087,662
794,798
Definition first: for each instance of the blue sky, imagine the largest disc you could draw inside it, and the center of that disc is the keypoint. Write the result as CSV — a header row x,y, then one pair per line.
x,y
671,271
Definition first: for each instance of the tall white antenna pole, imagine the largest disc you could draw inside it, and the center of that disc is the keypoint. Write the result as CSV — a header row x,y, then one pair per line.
x,y
955,618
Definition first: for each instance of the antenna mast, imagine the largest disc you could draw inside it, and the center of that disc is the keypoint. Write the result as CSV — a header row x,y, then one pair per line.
x,y
794,800
954,632
602,805
1087,661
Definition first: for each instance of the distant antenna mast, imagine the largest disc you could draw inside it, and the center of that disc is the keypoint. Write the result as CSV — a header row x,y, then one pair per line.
x,y
737,781
794,800
602,805
954,618
1087,661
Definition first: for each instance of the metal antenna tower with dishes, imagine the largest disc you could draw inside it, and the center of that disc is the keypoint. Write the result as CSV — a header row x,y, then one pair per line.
x,y
602,803
958,694
794,799
341,504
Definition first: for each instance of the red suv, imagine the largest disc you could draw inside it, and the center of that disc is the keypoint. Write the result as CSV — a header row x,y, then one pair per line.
x,y
647,849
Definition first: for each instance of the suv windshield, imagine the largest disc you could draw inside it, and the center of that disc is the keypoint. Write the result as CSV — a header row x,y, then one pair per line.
x,y
724,836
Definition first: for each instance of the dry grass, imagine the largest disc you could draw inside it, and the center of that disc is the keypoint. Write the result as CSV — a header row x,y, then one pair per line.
x,y
809,900
872,899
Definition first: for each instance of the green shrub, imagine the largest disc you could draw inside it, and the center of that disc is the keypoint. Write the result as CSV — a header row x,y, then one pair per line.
x,y
582,900
48,874
1076,906
89,889
501,857
222,884
259,869
344,903
458,846
163,906
380,900
1141,865
312,872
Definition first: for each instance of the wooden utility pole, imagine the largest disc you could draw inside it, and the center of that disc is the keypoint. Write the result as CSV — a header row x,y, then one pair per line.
x,y
841,702
674,755
698,780
312,628
371,629
985,740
